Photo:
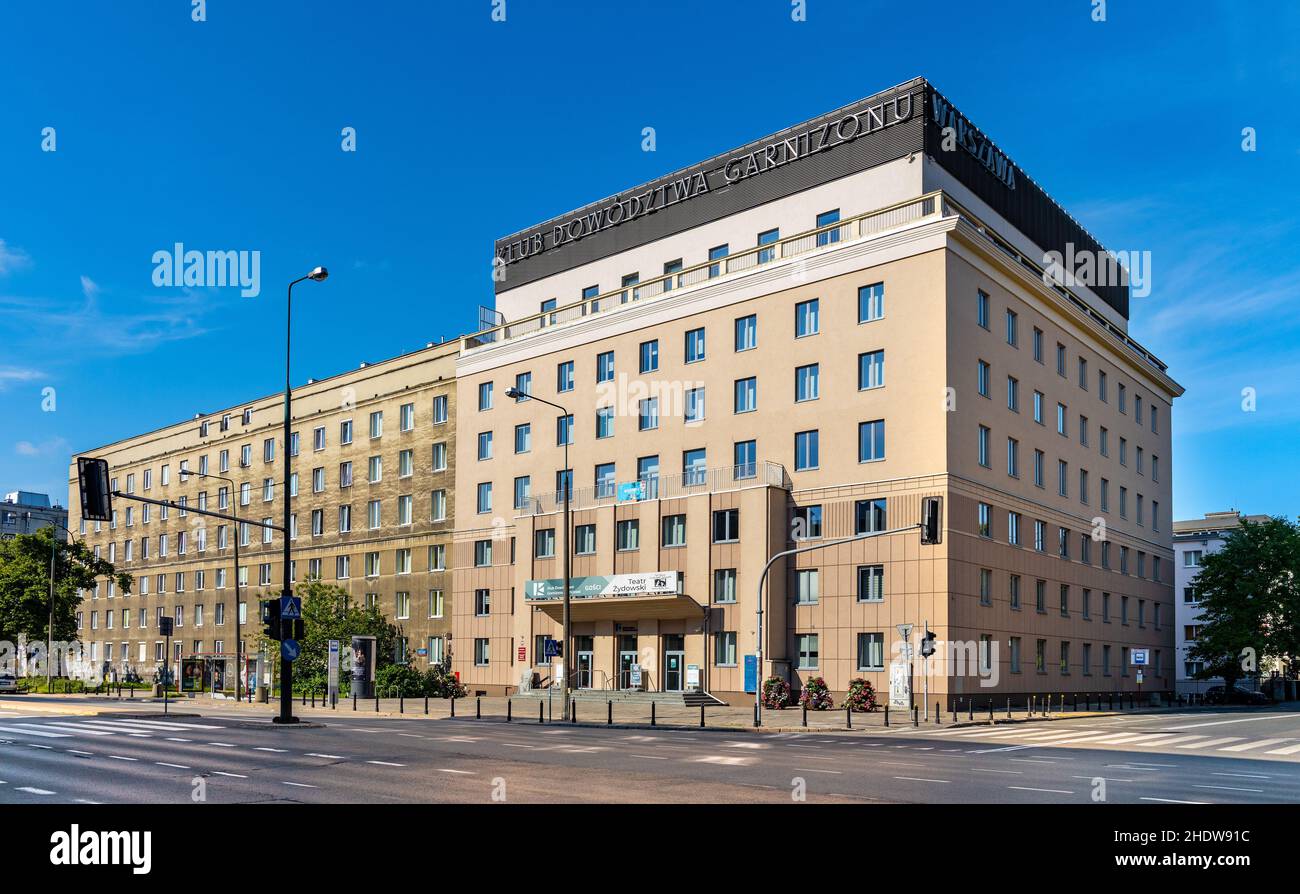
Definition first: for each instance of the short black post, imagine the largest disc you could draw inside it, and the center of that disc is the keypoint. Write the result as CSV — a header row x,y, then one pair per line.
x,y
954,712
886,713
652,713
131,692
354,699
313,698
401,703
509,709
916,716
478,708
541,711
970,710
376,701
848,717
573,710
936,712
756,721
990,710
1008,707
609,712
453,704
426,704
805,715
701,716
304,698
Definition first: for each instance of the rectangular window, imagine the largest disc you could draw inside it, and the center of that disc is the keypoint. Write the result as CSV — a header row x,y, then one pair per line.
x,y
982,378
871,441
605,367
982,310
523,485
584,540
825,219
986,586
746,395
1013,457
807,589
694,467
674,530
649,356
871,370
871,651
1013,591
806,450
694,345
628,534
564,376
985,520
726,525
1013,334
544,543
871,302
767,237
746,459
746,333
871,583
982,450
724,649
870,516
717,253
807,382
806,645
807,522
604,423
484,497
694,408
724,585
564,430
377,418
605,484
807,318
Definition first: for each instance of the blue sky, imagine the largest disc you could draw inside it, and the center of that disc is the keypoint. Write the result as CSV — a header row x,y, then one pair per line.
x,y
225,134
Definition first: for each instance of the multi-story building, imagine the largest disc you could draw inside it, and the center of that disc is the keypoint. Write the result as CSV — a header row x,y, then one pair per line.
x,y
795,342
372,507
1195,538
26,512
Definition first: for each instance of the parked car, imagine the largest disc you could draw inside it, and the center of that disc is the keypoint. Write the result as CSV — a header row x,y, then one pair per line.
x,y
8,683
1216,695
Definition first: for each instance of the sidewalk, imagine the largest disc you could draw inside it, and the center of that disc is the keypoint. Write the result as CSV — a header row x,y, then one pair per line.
x,y
735,718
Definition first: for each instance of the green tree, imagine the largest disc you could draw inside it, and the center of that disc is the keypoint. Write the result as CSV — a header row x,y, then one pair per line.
x,y
1249,594
329,612
25,584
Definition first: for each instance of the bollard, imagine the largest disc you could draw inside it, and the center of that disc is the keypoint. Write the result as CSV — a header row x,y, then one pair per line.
x,y
848,717
701,716
970,710
426,704
453,704
1008,707
376,701
573,710
652,713
478,708
805,715
304,698
954,712
990,710
131,693
313,698
916,716
509,703
401,702
756,720
936,712
609,712
541,711
354,699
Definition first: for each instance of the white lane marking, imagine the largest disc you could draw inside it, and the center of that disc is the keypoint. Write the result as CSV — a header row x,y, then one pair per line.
x,y
815,770
724,760
174,739
1244,775
519,745
1259,743
457,772
986,770
1212,742
84,801
1087,737
1173,801
1232,788
82,753
298,784
33,791
1290,749
1107,778
223,744
34,745
64,727
460,738
118,757
1166,741
115,727
411,736
921,779
1054,791
1030,760
264,748
158,724
333,757
1222,722
176,766
650,757
1122,737
385,764
1007,748
32,732
233,775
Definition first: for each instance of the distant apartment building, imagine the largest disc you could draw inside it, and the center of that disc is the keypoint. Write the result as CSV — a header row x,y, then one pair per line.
x,y
1194,539
26,512
374,458
793,342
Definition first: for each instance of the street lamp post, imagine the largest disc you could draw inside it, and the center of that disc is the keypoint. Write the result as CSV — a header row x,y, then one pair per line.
x,y
238,533
49,630
286,667
758,684
567,478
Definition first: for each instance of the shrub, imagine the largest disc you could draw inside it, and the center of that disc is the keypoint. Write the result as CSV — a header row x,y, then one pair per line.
x,y
438,682
816,696
399,680
776,693
861,697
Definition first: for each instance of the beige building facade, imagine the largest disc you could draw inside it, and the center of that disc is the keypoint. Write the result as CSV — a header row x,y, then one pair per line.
x,y
372,508
801,340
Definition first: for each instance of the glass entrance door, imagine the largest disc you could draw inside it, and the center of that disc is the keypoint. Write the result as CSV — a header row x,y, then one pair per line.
x,y
674,662
627,656
585,653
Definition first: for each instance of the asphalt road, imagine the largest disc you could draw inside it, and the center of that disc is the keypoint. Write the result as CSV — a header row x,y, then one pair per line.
x,y
227,756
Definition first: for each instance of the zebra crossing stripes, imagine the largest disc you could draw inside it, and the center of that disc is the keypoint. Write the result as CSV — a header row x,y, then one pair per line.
x,y
48,728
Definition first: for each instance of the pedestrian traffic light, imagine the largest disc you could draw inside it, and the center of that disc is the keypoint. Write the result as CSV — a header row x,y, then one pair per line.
x,y
931,520
299,629
93,481
927,644
271,619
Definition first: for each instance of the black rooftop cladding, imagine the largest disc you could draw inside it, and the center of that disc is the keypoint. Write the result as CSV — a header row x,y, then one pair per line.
x,y
892,124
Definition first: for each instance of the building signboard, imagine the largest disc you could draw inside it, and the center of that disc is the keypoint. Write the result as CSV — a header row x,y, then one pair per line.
x,y
596,586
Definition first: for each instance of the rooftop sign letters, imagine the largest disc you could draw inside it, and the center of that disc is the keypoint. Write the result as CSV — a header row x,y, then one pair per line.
x,y
745,163
972,139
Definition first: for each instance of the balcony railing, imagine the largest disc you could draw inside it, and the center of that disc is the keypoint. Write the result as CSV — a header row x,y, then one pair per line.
x,y
822,238
665,487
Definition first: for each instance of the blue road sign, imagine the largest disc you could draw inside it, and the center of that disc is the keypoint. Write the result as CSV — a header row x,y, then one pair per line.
x,y
552,648
290,608
751,673
290,650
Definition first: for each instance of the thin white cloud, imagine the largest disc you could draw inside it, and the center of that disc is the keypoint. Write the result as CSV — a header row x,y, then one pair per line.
x,y
89,287
12,259
45,448
10,375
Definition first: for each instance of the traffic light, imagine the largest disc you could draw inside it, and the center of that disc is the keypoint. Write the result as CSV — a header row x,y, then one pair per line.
x,y
271,619
927,644
931,520
299,629
92,480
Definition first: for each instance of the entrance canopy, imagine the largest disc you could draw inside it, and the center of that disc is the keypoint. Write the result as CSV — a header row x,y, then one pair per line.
x,y
621,608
